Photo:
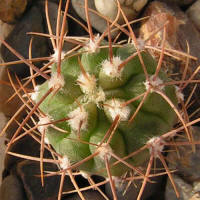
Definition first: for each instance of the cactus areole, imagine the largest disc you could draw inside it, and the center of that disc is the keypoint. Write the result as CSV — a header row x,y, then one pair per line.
x,y
93,101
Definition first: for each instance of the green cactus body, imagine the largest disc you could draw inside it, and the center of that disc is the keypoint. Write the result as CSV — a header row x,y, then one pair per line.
x,y
94,100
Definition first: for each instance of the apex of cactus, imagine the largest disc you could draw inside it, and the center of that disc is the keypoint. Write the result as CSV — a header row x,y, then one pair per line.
x,y
78,119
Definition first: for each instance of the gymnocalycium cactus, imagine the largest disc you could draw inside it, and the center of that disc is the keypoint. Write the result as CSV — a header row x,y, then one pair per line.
x,y
104,107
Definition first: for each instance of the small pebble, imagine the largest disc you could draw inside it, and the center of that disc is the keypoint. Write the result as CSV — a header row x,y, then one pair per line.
x,y
184,189
19,40
193,13
109,10
12,10
97,22
12,189
28,171
187,166
153,189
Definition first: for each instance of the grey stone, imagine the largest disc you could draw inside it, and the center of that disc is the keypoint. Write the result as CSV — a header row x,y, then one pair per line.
x,y
196,187
12,189
187,166
10,107
29,172
24,146
134,188
187,163
12,10
97,22
110,12
193,13
53,12
184,189
153,189
19,40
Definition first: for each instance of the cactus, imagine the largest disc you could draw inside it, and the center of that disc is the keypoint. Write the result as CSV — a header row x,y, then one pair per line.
x,y
105,109
92,94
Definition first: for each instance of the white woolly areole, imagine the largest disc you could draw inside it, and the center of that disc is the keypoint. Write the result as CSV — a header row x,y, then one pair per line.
x,y
115,108
41,124
34,94
56,81
104,150
88,86
84,174
179,94
156,145
64,162
112,69
96,97
55,55
92,45
157,83
87,83
78,119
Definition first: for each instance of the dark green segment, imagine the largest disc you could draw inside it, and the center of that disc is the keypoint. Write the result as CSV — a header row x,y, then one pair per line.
x,y
154,103
92,61
117,144
153,119
134,66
